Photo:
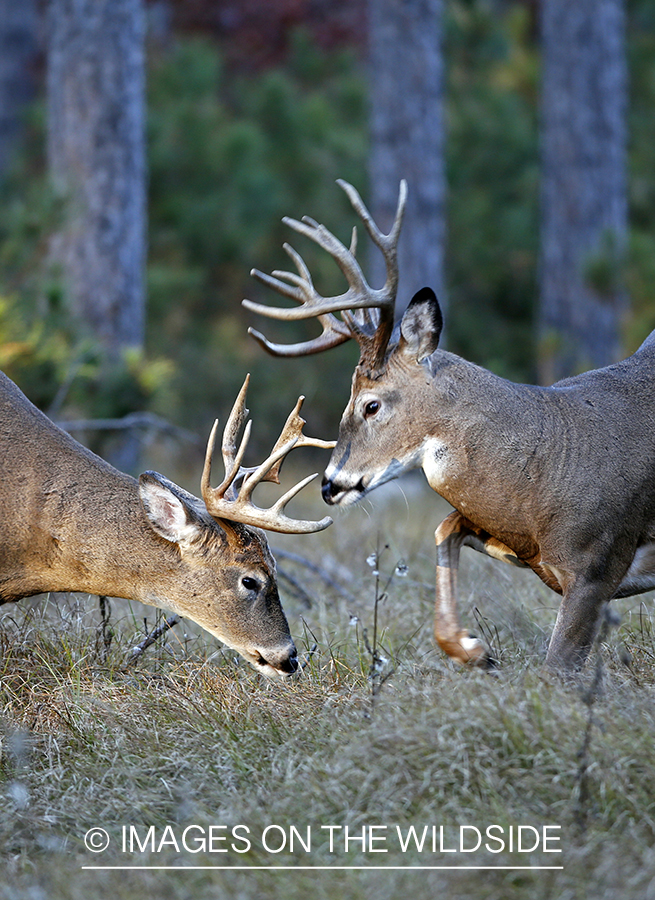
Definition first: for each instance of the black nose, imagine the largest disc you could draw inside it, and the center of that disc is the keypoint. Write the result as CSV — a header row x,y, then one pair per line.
x,y
329,490
289,665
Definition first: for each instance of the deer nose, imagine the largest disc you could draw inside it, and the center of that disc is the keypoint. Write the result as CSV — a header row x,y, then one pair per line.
x,y
290,664
329,490
285,661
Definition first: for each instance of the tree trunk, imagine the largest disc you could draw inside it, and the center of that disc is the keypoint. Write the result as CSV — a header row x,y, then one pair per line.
x,y
18,49
407,136
584,203
96,153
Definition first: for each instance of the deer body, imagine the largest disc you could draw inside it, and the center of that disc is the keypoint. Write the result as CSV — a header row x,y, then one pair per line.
x,y
560,479
71,522
518,458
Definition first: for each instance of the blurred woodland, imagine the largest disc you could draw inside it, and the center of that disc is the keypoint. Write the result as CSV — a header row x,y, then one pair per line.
x,y
252,110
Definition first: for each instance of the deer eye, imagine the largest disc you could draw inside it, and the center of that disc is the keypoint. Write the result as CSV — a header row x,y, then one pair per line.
x,y
250,584
371,409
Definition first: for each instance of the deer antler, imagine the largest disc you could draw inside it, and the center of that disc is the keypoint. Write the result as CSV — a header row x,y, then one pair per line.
x,y
371,332
232,499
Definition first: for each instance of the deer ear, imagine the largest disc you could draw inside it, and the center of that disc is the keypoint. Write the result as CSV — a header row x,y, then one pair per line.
x,y
168,510
421,325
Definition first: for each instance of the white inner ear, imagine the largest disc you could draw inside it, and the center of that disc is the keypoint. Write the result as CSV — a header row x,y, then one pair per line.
x,y
415,329
167,513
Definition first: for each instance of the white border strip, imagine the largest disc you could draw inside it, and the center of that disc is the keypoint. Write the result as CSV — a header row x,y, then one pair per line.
x,y
321,868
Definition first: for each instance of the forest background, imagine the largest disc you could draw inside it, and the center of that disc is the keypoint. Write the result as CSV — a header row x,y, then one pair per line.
x,y
241,131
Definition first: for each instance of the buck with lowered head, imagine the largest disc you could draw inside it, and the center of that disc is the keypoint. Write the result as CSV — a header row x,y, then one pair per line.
x,y
560,479
71,522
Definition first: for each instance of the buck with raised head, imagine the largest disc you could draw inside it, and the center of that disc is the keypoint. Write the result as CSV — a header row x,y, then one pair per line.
x,y
560,479
71,522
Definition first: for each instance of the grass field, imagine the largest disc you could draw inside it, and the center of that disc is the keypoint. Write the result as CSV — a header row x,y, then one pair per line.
x,y
188,758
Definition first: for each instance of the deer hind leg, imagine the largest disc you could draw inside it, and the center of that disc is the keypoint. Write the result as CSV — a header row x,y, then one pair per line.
x,y
454,532
578,620
584,601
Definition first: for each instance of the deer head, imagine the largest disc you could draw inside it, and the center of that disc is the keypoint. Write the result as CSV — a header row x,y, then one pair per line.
x,y
251,619
373,447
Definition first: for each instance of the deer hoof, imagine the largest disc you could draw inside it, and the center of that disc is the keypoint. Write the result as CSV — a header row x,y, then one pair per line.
x,y
467,650
472,651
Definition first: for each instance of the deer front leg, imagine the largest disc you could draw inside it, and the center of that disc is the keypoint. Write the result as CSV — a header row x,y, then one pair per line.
x,y
451,637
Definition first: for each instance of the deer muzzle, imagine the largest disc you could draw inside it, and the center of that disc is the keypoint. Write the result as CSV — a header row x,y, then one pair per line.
x,y
278,661
335,492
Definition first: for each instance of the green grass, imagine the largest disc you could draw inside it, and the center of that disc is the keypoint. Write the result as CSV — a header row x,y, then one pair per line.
x,y
190,736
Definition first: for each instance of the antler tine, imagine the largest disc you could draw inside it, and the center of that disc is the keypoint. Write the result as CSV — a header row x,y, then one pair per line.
x,y
232,457
235,420
292,432
240,508
381,240
388,244
291,436
359,296
205,479
334,333
302,289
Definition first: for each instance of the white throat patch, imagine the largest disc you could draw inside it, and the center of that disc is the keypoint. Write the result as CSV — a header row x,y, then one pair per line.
x,y
435,462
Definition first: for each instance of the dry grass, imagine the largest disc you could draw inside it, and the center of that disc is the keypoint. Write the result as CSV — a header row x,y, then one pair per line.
x,y
189,736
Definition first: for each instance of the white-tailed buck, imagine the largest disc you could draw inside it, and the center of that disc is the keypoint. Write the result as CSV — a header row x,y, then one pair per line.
x,y
560,479
71,522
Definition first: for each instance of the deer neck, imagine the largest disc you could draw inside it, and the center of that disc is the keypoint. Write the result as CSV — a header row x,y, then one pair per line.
x,y
121,556
483,433
83,529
